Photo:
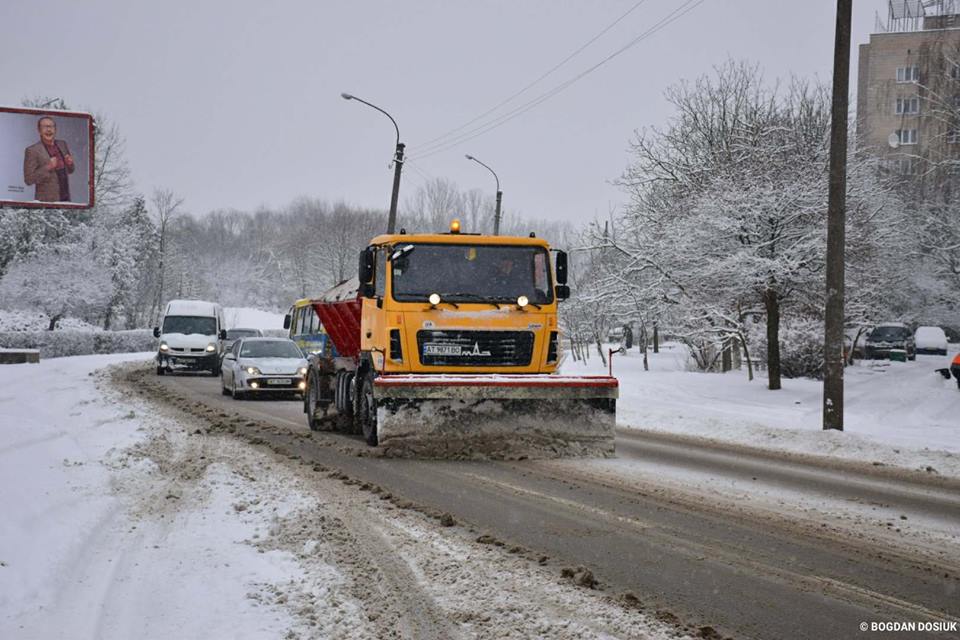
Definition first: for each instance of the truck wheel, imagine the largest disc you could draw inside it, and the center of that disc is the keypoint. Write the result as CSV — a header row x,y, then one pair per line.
x,y
310,407
368,411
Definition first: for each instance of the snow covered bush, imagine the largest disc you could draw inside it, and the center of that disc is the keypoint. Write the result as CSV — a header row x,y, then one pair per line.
x,y
801,348
57,344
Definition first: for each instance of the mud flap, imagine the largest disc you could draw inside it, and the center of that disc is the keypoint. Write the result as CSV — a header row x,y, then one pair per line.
x,y
502,417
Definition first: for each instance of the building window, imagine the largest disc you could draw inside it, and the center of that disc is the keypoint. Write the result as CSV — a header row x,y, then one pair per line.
x,y
908,106
908,74
901,166
953,135
907,136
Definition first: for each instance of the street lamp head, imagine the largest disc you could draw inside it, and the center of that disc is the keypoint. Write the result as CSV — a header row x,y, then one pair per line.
x,y
346,96
468,157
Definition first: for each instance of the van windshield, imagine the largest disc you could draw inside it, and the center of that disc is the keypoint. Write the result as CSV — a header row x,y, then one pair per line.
x,y
190,324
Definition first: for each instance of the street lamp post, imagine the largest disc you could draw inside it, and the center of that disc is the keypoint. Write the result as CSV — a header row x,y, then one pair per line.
x,y
397,162
496,216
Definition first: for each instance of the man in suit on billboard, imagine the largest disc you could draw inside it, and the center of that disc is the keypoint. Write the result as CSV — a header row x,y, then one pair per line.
x,y
48,163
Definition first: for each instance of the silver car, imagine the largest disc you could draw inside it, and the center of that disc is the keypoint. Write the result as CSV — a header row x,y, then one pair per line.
x,y
256,366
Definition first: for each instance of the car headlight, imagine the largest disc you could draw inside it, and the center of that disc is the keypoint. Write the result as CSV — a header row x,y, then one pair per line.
x,y
302,371
253,371
164,347
211,347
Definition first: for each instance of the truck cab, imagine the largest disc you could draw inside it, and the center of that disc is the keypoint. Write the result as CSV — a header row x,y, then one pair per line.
x,y
460,303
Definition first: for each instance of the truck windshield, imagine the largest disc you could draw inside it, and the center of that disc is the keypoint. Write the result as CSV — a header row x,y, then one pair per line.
x,y
472,273
190,324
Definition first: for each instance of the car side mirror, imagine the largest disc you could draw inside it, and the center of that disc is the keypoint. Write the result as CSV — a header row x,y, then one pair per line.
x,y
562,291
561,267
156,332
223,334
286,321
365,272
229,356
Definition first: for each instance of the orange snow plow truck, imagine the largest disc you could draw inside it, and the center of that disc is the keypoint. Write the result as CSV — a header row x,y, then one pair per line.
x,y
447,345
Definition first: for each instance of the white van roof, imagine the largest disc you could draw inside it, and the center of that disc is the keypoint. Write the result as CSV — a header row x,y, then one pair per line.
x,y
192,308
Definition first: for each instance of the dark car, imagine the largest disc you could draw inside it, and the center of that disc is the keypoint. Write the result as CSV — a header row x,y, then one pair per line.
x,y
890,337
234,334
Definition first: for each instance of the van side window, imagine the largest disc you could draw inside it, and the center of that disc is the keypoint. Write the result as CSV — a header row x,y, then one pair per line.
x,y
380,278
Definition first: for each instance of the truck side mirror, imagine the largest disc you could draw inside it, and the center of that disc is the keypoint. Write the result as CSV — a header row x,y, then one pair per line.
x,y
156,332
223,334
286,321
562,291
366,265
562,267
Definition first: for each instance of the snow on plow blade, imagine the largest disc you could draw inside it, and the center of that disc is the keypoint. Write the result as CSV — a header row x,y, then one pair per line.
x,y
496,416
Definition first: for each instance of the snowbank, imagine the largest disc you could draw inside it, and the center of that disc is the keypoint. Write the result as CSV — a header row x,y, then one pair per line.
x,y
897,413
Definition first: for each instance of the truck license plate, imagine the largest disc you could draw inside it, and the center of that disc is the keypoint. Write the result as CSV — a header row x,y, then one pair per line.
x,y
278,381
441,350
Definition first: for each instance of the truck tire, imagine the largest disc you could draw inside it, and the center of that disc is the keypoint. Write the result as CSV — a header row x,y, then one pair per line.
x,y
368,410
310,405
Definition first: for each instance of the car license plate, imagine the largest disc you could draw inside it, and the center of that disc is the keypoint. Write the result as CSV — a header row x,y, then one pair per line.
x,y
441,350
278,381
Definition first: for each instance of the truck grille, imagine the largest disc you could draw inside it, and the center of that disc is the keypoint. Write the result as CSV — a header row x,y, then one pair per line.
x,y
483,348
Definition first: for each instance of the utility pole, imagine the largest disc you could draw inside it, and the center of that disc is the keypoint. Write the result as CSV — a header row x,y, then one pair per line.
x,y
836,222
397,166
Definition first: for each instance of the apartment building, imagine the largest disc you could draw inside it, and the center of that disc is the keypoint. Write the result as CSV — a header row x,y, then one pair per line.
x,y
908,93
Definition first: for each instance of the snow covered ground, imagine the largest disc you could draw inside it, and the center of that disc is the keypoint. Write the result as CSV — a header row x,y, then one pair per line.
x,y
247,318
901,414
117,521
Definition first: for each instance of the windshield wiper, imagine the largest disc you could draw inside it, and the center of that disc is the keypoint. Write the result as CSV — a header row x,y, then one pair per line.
x,y
473,296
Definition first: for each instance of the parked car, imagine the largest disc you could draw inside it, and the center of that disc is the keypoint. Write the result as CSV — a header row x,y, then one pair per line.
x,y
263,365
888,337
236,333
931,341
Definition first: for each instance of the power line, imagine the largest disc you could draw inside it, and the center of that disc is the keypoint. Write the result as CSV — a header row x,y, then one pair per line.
x,y
431,142
671,17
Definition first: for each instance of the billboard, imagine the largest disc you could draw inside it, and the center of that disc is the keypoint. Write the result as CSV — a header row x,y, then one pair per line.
x,y
46,158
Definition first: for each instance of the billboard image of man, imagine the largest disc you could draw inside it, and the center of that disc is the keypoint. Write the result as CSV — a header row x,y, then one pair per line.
x,y
48,164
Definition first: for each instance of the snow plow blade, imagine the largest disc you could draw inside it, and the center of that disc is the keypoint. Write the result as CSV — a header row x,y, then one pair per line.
x,y
496,416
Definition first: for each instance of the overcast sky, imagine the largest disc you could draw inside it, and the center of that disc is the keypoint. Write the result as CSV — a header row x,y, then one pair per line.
x,y
237,104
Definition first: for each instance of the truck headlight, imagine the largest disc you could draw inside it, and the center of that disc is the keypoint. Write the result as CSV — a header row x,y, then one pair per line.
x,y
522,301
253,371
211,347
164,347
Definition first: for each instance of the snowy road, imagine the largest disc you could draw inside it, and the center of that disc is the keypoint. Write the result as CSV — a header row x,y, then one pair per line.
x,y
750,545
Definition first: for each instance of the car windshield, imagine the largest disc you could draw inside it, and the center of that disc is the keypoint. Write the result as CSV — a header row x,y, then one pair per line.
x,y
233,334
270,349
472,273
890,333
206,326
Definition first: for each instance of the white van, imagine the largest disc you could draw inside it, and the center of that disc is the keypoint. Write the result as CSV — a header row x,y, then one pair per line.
x,y
191,337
